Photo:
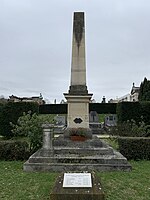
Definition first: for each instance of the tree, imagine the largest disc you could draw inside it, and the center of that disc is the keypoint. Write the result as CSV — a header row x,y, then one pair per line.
x,y
144,93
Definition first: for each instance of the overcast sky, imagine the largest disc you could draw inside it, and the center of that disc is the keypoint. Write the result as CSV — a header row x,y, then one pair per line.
x,y
36,45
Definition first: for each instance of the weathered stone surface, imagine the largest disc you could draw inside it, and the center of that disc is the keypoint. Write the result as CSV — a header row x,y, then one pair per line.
x,y
94,193
78,98
91,155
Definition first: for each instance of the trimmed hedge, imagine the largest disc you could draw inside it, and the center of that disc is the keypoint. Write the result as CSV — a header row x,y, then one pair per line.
x,y
101,108
10,112
145,106
128,110
14,150
138,111
53,109
136,148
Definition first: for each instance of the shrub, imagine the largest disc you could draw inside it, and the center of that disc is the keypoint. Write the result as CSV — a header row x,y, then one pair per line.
x,y
145,109
134,110
84,132
29,126
131,129
14,150
128,110
10,112
135,148
103,108
53,109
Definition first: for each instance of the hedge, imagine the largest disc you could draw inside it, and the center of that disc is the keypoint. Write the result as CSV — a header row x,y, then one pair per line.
x,y
128,110
136,148
10,112
145,111
53,109
14,150
103,108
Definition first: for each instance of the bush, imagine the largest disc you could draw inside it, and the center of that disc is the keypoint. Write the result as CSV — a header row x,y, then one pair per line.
x,y
10,112
53,109
145,109
128,110
135,148
29,126
14,150
103,108
134,110
131,129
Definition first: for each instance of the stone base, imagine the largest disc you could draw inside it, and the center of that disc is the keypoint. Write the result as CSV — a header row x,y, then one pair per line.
x,y
78,110
87,132
71,156
95,193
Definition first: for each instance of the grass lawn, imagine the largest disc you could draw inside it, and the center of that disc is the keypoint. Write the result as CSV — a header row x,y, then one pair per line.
x,y
18,185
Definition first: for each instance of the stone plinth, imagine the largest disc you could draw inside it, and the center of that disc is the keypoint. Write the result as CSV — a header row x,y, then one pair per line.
x,y
94,193
70,156
78,110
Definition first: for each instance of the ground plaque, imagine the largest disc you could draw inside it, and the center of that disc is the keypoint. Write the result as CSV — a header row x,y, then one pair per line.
x,y
75,187
76,180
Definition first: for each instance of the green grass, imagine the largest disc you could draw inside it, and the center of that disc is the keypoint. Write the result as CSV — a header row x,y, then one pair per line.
x,y
134,185
18,185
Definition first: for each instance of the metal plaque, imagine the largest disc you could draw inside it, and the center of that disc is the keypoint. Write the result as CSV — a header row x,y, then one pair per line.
x,y
75,180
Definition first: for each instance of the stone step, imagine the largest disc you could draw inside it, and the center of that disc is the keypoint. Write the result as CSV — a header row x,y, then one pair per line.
x,y
103,159
85,151
71,167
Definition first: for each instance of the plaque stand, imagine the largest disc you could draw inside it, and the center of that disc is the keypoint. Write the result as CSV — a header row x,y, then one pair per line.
x,y
75,193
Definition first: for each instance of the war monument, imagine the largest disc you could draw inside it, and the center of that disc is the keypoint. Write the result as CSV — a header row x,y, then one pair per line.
x,y
63,154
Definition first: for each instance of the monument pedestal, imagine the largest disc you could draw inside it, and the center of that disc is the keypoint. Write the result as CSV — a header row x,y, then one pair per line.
x,y
78,110
70,156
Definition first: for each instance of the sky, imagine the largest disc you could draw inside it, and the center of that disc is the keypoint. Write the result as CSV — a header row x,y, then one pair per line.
x,y
36,46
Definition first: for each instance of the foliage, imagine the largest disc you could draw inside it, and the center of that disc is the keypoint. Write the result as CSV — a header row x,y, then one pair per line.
x,y
84,132
144,93
128,110
135,148
13,150
133,110
145,111
30,125
16,184
53,109
103,108
10,112
78,132
131,129
112,141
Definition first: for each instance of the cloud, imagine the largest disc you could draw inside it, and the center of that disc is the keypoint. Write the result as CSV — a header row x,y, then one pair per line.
x,y
36,37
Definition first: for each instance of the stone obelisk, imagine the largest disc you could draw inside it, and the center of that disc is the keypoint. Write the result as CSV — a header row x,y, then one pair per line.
x,y
77,97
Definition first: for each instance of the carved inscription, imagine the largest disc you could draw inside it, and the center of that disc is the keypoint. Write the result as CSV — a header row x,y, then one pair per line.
x,y
77,180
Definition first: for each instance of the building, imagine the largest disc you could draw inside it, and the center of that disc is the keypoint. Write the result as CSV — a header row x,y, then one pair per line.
x,y
135,93
37,99
133,96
